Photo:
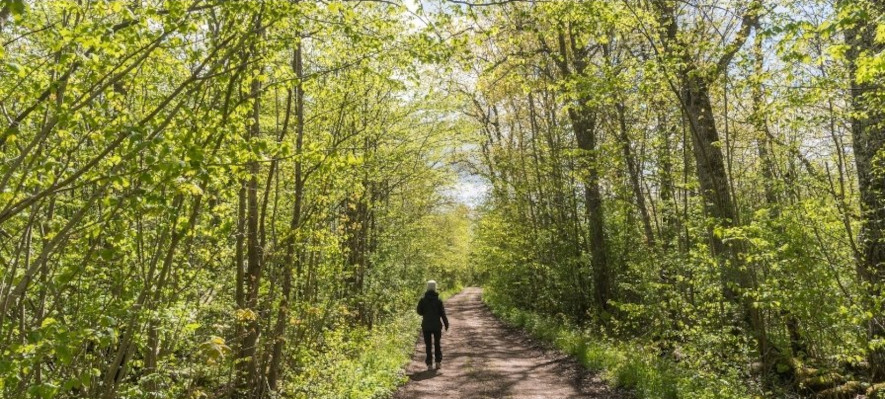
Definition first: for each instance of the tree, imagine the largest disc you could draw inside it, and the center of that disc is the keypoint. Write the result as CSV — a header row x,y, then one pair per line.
x,y
868,140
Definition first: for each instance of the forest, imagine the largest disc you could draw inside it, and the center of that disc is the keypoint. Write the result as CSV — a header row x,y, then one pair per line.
x,y
244,199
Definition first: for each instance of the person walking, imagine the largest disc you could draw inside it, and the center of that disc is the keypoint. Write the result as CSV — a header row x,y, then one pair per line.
x,y
431,308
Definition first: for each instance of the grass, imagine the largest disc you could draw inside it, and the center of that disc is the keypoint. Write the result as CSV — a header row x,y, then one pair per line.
x,y
627,365
359,363
368,365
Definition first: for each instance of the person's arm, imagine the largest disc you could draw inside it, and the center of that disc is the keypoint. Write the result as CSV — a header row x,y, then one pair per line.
x,y
419,308
442,315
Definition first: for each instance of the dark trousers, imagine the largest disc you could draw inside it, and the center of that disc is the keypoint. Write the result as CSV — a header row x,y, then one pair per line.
x,y
436,334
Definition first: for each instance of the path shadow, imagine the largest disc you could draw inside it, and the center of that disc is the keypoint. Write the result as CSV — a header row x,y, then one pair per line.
x,y
424,375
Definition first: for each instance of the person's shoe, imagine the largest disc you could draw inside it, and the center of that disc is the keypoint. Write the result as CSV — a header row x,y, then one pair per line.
x,y
429,367
438,366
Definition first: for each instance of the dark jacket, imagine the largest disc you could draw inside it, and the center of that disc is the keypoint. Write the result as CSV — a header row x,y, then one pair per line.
x,y
431,307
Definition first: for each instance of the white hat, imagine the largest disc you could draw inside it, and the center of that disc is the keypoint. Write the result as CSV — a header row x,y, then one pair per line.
x,y
431,285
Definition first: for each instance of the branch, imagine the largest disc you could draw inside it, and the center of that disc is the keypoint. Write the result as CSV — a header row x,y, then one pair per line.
x,y
748,21
490,3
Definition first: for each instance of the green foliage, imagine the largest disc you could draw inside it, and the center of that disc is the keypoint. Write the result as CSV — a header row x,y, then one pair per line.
x,y
679,181
357,363
179,178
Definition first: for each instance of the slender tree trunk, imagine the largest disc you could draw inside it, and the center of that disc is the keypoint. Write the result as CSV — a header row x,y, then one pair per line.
x,y
633,172
249,378
291,258
584,124
665,176
240,252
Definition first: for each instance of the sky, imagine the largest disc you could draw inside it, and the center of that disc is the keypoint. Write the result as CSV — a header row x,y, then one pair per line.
x,y
468,188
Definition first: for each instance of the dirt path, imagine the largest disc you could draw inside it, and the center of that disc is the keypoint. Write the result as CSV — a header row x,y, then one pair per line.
x,y
483,358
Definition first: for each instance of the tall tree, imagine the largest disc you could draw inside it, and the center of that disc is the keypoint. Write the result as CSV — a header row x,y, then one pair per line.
x,y
693,90
868,135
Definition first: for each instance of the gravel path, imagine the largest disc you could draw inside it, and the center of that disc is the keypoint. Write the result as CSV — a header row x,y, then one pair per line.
x,y
483,358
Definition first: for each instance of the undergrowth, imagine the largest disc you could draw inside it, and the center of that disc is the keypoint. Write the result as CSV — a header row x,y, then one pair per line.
x,y
364,364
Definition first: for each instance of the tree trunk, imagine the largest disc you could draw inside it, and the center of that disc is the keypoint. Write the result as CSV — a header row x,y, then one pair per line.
x,y
633,172
584,124
248,378
868,140
583,119
694,96
665,176
290,259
